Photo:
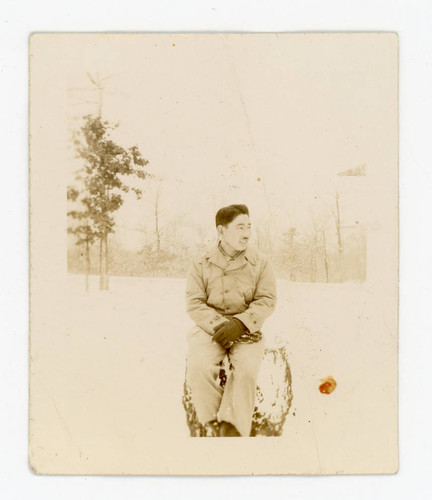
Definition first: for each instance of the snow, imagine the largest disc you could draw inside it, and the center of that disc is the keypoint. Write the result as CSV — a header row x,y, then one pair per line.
x,y
111,377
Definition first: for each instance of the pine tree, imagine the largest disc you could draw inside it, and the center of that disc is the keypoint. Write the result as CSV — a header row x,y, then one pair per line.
x,y
102,182
84,231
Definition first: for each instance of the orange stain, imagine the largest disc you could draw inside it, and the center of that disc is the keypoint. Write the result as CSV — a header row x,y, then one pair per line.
x,y
328,385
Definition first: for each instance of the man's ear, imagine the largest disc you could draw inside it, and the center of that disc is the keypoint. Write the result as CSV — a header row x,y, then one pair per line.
x,y
220,230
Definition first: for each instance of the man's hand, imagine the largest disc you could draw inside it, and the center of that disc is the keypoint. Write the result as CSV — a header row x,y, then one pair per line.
x,y
227,333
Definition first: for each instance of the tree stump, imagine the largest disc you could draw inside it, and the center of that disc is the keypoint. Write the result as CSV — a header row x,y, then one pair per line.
x,y
272,403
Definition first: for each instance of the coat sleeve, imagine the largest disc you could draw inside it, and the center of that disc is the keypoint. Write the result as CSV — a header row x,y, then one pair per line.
x,y
201,314
264,299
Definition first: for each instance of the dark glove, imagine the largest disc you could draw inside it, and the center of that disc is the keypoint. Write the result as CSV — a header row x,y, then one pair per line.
x,y
227,333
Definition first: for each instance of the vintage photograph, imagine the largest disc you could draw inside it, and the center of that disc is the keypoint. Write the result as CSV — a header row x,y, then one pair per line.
x,y
214,253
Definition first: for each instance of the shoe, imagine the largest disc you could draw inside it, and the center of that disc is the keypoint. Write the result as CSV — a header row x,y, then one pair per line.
x,y
212,429
226,429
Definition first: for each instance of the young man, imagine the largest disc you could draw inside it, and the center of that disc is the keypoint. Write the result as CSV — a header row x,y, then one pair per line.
x,y
230,291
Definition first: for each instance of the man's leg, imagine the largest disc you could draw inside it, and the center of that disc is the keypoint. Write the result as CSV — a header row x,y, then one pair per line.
x,y
238,400
202,372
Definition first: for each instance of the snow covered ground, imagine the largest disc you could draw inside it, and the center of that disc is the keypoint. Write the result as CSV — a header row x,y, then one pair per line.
x,y
107,381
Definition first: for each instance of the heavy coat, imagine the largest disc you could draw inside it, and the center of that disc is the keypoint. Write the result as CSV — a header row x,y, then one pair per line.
x,y
244,288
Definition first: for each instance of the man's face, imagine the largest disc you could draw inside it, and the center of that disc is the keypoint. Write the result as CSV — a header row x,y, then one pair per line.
x,y
236,234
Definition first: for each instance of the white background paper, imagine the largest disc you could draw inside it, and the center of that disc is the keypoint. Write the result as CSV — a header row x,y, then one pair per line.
x,y
412,21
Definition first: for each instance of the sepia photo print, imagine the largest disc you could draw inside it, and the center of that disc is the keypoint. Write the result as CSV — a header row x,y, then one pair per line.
x,y
214,253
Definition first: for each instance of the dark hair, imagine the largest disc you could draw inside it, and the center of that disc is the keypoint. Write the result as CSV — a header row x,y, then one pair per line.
x,y
227,214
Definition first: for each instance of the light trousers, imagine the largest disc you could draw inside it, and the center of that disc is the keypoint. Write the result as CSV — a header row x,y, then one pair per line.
x,y
235,403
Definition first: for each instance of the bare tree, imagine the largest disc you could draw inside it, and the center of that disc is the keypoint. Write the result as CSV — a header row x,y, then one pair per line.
x,y
339,237
324,246
97,86
289,238
157,216
338,224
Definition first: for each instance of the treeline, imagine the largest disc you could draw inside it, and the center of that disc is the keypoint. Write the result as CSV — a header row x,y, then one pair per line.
x,y
148,261
300,258
323,249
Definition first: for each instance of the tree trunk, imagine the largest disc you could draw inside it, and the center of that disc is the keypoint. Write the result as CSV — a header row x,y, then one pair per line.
x,y
100,264
157,230
291,253
88,266
338,225
106,271
156,213
105,244
103,265
325,257
312,268
272,403
339,238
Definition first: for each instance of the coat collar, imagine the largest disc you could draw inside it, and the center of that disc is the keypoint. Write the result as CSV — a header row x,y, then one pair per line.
x,y
215,256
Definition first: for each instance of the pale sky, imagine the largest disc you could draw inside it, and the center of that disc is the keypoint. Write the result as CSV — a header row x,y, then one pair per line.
x,y
264,120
